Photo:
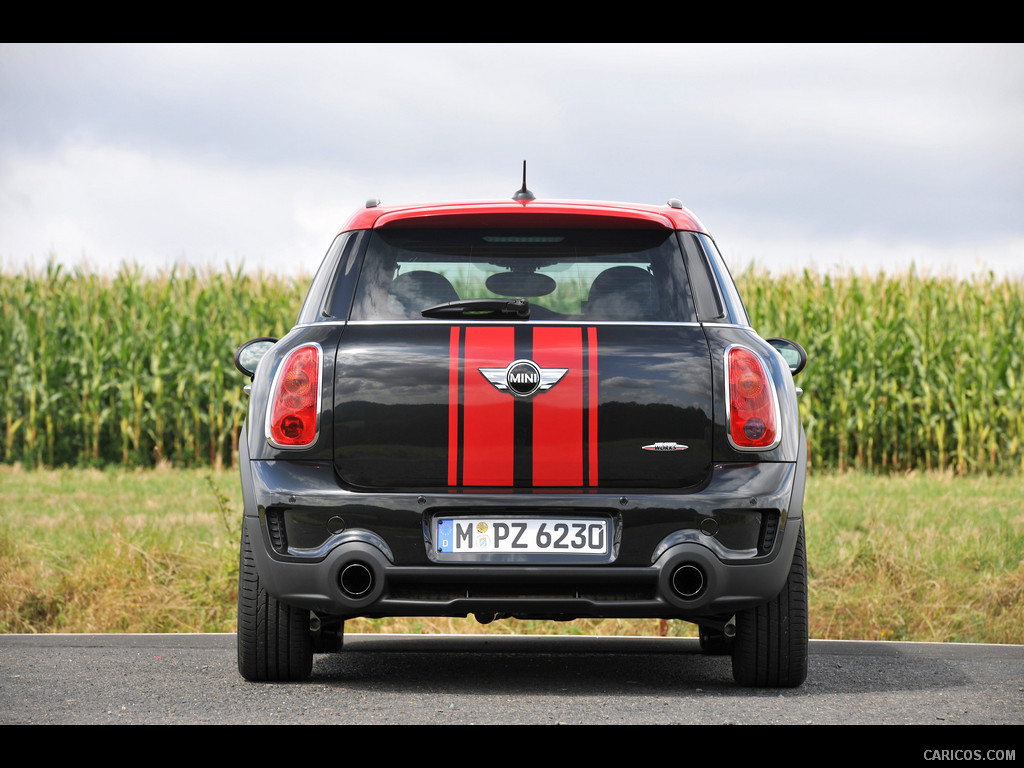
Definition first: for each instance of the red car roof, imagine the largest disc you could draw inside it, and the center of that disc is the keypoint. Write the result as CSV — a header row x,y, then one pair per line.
x,y
527,213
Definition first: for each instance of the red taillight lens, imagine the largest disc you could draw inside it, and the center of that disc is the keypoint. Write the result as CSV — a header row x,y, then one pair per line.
x,y
752,408
294,402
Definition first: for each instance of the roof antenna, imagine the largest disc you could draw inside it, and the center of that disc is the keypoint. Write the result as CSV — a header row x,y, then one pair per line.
x,y
524,193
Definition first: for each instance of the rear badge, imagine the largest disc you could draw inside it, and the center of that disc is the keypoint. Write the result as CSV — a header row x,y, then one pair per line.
x,y
665,447
523,378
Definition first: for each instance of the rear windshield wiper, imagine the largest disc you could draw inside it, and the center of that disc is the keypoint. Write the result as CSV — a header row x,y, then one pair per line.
x,y
482,309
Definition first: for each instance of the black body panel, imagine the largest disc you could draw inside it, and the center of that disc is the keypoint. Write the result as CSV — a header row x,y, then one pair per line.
x,y
740,529
412,410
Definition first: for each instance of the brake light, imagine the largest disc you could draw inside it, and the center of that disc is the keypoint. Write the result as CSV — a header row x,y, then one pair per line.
x,y
752,405
295,399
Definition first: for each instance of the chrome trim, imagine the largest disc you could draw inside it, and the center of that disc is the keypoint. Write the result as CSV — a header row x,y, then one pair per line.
x,y
774,395
546,377
319,397
728,325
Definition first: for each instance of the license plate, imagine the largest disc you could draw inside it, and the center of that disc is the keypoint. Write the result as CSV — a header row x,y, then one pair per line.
x,y
570,536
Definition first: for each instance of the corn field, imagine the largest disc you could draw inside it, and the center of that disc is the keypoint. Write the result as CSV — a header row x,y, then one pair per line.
x,y
905,372
131,369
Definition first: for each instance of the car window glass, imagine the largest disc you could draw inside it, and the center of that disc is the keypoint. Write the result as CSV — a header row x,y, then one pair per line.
x,y
735,311
710,305
313,302
572,275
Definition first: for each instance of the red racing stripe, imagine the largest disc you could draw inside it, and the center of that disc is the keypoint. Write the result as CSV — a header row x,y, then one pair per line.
x,y
558,413
592,403
453,408
487,437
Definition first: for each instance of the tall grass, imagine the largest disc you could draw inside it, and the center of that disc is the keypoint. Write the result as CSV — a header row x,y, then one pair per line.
x,y
906,371
130,369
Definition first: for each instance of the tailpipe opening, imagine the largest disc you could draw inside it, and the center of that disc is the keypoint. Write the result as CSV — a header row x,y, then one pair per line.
x,y
688,581
356,579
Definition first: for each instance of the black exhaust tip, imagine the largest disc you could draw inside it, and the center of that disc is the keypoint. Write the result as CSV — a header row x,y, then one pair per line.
x,y
356,579
688,581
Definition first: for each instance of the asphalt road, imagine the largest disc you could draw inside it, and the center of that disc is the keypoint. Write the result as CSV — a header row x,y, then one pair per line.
x,y
403,679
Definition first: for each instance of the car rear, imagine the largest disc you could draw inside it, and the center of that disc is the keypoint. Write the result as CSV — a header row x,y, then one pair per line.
x,y
540,410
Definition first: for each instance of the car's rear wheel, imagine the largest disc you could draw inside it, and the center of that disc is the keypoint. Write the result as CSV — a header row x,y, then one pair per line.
x,y
274,639
770,649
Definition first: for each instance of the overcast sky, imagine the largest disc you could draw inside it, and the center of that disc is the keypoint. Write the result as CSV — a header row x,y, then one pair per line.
x,y
834,156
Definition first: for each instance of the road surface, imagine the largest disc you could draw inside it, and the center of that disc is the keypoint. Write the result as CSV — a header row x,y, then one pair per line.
x,y
488,679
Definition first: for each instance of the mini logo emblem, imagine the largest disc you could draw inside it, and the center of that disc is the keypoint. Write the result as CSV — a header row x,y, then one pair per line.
x,y
665,447
523,378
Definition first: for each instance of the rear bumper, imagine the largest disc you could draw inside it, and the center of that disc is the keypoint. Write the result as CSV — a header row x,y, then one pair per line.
x,y
320,546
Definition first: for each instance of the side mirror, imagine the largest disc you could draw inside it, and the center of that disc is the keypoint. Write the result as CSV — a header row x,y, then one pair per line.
x,y
794,355
248,356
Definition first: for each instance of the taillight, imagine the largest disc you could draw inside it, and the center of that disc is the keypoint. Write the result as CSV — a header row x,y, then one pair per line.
x,y
295,399
753,409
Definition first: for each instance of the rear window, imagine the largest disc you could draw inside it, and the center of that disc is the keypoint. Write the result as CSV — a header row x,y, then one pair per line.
x,y
569,275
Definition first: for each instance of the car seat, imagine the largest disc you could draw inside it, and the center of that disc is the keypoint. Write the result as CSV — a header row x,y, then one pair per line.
x,y
412,292
622,293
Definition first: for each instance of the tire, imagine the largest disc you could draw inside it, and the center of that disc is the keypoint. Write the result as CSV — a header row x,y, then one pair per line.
x,y
770,648
274,640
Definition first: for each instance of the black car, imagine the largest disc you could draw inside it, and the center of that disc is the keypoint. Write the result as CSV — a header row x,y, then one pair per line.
x,y
530,409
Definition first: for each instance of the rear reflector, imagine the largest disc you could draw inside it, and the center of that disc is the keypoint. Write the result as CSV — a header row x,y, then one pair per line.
x,y
753,410
294,410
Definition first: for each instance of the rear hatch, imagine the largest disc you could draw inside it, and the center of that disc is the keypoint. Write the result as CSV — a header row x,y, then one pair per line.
x,y
546,359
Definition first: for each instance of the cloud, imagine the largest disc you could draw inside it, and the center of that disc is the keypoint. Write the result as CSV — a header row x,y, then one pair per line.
x,y
107,205
155,153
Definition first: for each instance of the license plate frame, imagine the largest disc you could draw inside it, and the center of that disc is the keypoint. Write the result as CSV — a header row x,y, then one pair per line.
x,y
522,539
